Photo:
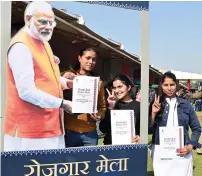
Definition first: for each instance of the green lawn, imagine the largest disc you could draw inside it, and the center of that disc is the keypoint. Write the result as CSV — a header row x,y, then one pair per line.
x,y
197,160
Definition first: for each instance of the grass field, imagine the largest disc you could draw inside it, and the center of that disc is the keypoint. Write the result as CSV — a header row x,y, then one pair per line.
x,y
197,160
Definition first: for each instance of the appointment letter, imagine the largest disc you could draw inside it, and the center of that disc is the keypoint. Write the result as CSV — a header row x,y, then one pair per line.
x,y
85,94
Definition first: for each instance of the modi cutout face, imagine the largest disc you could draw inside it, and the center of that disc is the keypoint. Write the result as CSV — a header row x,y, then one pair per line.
x,y
42,24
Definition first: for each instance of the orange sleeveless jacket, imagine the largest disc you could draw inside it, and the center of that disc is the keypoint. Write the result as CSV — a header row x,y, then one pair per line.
x,y
28,120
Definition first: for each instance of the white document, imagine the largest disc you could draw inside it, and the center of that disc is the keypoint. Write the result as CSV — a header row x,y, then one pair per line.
x,y
171,139
122,126
85,94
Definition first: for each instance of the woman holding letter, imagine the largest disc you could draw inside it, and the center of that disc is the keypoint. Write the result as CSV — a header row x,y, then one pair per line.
x,y
81,129
120,99
169,112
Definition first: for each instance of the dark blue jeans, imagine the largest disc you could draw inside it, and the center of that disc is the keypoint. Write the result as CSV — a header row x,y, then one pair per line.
x,y
74,139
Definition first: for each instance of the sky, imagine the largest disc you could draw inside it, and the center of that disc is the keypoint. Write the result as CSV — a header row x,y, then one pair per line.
x,y
175,30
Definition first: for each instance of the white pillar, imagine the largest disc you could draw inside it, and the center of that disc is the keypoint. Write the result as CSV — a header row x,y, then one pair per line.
x,y
144,76
5,39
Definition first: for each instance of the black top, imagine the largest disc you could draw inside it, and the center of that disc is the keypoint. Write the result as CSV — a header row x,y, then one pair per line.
x,y
105,124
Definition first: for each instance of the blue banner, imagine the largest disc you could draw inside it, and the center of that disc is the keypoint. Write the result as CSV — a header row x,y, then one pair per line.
x,y
124,160
134,5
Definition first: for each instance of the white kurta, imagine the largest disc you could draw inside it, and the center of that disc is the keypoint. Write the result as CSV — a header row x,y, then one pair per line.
x,y
21,62
20,144
171,167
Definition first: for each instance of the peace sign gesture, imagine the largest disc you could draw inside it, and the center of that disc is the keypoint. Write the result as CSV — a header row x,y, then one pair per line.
x,y
156,105
111,99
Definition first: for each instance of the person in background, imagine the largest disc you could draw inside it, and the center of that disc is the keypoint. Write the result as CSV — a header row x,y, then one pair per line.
x,y
34,116
119,98
169,110
199,149
152,93
81,129
197,96
184,94
138,96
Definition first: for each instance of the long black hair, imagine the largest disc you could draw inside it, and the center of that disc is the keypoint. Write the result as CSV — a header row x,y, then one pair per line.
x,y
126,80
76,67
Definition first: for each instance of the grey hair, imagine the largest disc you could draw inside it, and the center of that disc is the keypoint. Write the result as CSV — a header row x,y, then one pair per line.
x,y
37,5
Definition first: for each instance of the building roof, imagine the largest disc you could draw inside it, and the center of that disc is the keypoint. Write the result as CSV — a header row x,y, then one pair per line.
x,y
69,23
77,31
184,75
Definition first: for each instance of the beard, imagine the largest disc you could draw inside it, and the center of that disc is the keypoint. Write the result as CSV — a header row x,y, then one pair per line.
x,y
44,35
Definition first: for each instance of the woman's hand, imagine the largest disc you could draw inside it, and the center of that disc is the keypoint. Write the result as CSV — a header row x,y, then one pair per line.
x,y
156,107
69,75
66,83
111,99
185,151
95,117
135,139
